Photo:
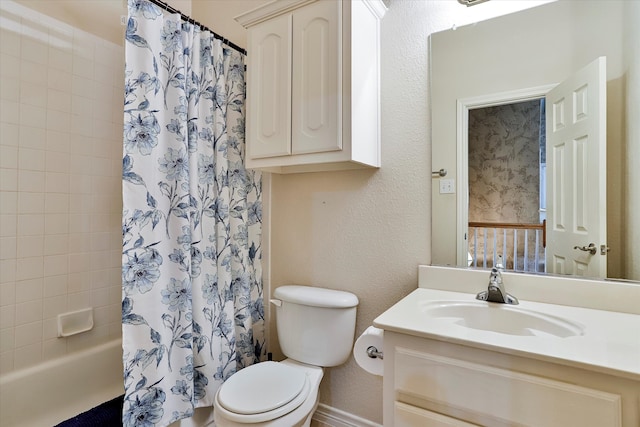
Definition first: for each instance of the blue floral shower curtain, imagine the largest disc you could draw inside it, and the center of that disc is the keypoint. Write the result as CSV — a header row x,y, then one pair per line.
x,y
192,309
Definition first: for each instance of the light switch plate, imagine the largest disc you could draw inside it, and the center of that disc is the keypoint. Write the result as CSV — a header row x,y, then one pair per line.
x,y
447,186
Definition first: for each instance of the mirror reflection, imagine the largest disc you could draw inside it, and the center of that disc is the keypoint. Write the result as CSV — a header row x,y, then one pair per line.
x,y
480,73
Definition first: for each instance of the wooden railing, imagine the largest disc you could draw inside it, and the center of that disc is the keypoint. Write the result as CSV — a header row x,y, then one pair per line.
x,y
521,245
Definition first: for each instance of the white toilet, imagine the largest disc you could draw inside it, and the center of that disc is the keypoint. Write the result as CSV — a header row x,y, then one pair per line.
x,y
316,329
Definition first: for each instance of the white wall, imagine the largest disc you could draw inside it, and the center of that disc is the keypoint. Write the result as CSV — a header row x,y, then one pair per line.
x,y
630,167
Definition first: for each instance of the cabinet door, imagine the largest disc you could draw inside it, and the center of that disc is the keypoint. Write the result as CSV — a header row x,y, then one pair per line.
x,y
411,416
269,89
317,89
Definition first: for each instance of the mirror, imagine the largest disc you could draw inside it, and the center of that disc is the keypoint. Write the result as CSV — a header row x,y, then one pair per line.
x,y
529,52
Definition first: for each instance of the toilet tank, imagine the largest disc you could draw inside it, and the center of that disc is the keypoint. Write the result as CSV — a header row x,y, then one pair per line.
x,y
315,325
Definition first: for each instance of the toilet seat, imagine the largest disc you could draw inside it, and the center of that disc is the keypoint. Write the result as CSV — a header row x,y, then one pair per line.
x,y
262,392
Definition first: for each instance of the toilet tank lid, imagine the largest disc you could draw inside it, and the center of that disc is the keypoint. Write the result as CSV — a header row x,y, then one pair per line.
x,y
316,297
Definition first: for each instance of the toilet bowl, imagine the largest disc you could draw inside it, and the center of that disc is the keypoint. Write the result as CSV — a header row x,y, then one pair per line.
x,y
269,394
315,329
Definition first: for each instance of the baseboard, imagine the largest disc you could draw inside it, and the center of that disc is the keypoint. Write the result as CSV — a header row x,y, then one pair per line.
x,y
337,418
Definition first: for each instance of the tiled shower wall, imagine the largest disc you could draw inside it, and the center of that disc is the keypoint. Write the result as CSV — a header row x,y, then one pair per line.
x,y
60,185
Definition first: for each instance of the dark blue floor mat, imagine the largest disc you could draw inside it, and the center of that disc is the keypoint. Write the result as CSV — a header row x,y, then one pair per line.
x,y
108,414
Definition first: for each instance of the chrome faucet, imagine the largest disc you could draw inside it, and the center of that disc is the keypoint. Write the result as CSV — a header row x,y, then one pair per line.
x,y
495,291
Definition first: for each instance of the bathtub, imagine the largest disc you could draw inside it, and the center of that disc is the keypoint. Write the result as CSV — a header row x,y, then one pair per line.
x,y
54,391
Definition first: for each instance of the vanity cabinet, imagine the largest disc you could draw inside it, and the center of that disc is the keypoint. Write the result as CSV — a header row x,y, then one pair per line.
x,y
313,85
435,383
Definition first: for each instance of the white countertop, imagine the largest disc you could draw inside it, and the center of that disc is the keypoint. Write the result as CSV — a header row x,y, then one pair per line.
x,y
610,342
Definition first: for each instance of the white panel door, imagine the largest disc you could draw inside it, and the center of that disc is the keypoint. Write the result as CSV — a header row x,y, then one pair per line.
x,y
576,173
317,92
269,89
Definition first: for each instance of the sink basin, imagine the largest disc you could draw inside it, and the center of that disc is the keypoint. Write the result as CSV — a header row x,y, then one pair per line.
x,y
501,318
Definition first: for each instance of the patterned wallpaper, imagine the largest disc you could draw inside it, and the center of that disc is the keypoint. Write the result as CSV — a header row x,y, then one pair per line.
x,y
504,167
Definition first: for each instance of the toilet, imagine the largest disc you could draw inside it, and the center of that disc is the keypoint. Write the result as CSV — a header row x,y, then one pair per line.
x,y
316,329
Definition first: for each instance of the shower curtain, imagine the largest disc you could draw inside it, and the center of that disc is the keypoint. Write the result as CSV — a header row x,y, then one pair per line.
x,y
192,310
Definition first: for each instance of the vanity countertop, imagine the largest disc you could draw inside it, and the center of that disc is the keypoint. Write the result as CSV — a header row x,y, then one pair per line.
x,y
610,342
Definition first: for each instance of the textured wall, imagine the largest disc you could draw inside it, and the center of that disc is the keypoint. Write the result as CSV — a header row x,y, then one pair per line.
x,y
504,167
366,231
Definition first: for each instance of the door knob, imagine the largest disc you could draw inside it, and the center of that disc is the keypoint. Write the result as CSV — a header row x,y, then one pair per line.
x,y
591,248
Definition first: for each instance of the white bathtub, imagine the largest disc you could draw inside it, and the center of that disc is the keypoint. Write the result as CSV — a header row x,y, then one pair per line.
x,y
54,391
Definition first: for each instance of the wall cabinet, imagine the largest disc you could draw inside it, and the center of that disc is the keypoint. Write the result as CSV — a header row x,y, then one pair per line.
x,y
433,383
313,97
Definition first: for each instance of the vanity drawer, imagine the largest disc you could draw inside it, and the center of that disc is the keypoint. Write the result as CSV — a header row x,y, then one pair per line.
x,y
491,396
412,416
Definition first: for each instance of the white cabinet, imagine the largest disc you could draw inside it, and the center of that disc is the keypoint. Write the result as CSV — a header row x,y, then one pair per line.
x,y
313,85
434,383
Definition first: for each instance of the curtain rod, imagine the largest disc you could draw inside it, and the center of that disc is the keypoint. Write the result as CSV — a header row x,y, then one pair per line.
x,y
170,9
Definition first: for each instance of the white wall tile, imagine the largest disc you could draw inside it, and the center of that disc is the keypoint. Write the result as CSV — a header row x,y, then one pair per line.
x,y
28,312
82,153
56,224
7,339
29,290
56,244
54,306
7,271
56,203
8,157
31,181
27,334
55,265
8,248
30,159
33,116
33,137
79,223
9,42
27,356
55,285
58,141
53,348
58,121
33,94
29,268
9,66
6,362
79,281
7,294
10,89
30,246
8,202
79,300
8,225
83,67
60,59
58,100
60,80
30,203
82,106
55,182
9,180
35,51
32,72
9,112
30,224
8,316
60,188
9,134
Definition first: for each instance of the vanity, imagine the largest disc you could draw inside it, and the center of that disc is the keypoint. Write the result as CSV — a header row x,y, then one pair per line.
x,y
567,355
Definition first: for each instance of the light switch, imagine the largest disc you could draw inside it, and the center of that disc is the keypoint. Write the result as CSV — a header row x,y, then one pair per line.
x,y
447,186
